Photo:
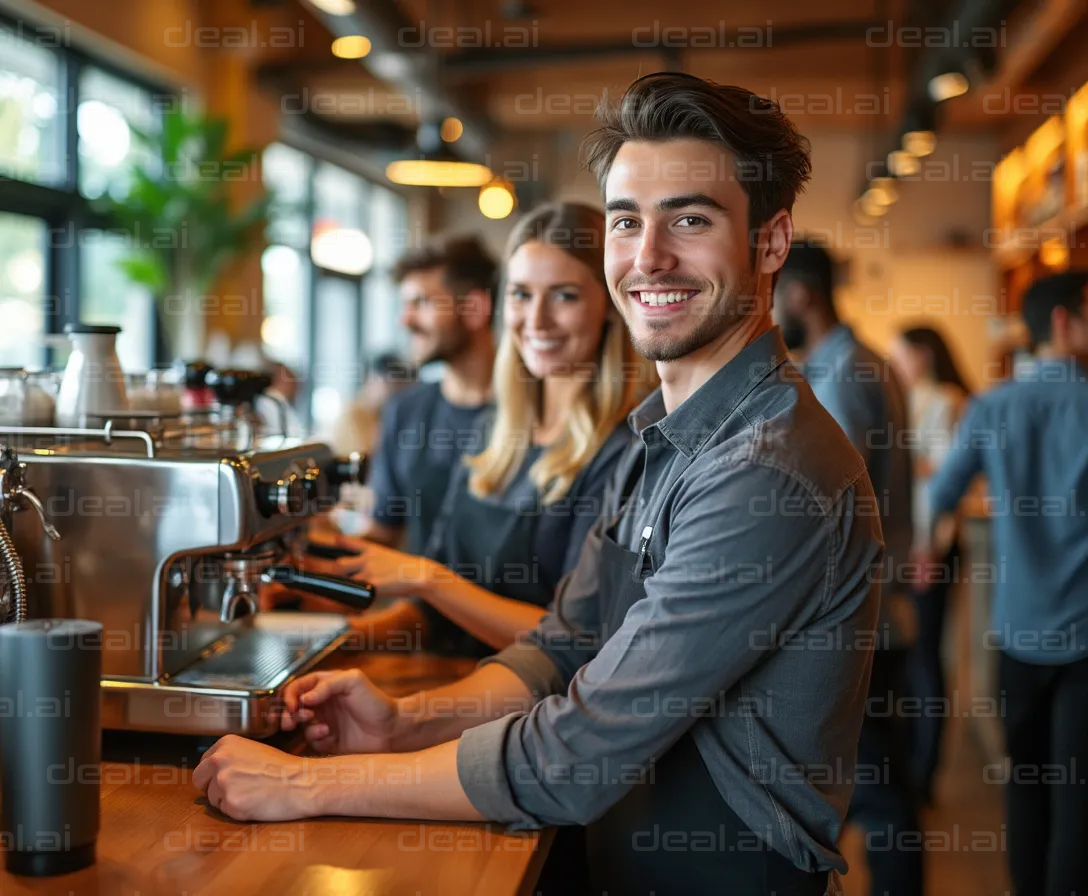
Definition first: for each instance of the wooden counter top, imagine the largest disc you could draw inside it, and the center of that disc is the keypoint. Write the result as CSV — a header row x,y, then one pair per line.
x,y
160,837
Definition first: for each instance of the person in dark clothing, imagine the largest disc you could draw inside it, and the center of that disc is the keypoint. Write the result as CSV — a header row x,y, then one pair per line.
x,y
446,292
863,394
1030,439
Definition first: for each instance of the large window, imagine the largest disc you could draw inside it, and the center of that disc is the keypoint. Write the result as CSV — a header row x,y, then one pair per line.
x,y
22,290
31,145
329,302
67,139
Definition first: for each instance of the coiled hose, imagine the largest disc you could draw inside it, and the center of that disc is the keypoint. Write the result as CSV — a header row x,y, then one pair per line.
x,y
15,576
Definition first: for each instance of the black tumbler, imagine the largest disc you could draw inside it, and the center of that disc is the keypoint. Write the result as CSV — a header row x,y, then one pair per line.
x,y
50,744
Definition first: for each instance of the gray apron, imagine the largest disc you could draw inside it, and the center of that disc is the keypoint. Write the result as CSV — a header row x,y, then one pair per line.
x,y
429,481
493,547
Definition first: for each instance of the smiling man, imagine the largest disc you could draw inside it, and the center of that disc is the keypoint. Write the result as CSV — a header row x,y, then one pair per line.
x,y
696,699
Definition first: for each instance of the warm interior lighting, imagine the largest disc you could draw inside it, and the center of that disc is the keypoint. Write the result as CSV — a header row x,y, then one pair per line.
x,y
1054,254
335,7
497,200
860,216
903,164
435,173
919,143
948,86
452,129
344,250
872,204
1044,142
884,190
351,46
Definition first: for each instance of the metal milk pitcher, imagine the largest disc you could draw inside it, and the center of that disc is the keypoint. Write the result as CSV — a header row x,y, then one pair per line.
x,y
93,385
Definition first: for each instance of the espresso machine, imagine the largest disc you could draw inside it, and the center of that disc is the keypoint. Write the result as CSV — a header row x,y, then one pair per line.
x,y
162,530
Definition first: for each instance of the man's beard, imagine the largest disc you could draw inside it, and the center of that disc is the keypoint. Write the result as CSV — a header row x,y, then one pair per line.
x,y
733,303
450,344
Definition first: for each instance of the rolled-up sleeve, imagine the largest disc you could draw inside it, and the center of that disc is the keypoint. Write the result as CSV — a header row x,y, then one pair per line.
x,y
690,638
964,462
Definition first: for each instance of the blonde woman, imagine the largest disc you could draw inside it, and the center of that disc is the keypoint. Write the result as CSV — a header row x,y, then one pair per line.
x,y
515,517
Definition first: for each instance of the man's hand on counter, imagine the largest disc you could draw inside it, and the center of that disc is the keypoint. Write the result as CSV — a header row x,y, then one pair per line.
x,y
343,712
251,781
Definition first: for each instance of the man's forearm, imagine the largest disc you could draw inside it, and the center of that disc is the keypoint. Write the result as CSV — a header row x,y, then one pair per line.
x,y
440,715
421,785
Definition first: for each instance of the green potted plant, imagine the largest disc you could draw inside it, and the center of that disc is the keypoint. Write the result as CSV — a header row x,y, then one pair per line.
x,y
185,229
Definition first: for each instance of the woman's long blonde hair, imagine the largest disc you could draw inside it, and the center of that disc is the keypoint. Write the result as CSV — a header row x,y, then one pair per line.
x,y
620,377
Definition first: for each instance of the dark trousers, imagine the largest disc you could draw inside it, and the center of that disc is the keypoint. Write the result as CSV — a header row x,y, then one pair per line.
x,y
884,804
925,676
1046,797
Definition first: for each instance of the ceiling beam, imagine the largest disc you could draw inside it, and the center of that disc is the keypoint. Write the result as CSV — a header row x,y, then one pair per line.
x,y
486,59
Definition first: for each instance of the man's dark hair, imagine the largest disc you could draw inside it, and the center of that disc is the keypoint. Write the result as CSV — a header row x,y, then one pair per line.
x,y
771,157
813,267
943,365
466,264
1043,296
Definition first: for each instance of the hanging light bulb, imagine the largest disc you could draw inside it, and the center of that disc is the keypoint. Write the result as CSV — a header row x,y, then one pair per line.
x,y
948,85
883,188
497,199
351,46
903,164
438,172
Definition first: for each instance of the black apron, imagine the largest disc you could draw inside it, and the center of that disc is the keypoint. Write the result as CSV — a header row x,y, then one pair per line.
x,y
429,481
493,547
673,833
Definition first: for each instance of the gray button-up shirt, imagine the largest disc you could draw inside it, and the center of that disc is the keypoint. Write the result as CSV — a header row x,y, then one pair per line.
x,y
755,633
1030,438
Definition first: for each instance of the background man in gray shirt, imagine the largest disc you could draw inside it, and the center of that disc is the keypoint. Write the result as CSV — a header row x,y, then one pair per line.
x,y
1030,439
862,393
697,697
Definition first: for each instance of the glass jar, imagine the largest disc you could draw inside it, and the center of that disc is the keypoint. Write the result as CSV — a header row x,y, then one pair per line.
x,y
157,390
25,398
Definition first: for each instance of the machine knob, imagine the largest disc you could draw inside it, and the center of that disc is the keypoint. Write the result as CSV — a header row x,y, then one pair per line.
x,y
351,469
286,496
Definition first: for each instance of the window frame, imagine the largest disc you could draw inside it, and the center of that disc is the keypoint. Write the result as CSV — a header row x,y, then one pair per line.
x,y
316,273
62,205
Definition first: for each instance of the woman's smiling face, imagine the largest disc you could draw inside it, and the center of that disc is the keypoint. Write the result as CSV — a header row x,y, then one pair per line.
x,y
555,309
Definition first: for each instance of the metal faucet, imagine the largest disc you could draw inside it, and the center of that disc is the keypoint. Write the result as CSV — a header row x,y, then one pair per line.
x,y
13,492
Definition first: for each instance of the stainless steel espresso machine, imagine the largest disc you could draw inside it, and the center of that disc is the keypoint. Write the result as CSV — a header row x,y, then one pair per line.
x,y
161,531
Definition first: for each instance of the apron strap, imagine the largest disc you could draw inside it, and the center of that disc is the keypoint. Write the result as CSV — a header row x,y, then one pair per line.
x,y
458,478
629,476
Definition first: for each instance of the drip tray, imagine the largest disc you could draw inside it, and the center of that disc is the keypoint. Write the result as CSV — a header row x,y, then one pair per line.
x,y
233,688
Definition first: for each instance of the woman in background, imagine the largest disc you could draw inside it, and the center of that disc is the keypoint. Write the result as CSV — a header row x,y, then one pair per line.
x,y
516,516
936,396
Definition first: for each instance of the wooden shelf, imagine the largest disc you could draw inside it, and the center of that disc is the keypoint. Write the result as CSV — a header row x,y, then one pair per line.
x,y
1027,249
1022,247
